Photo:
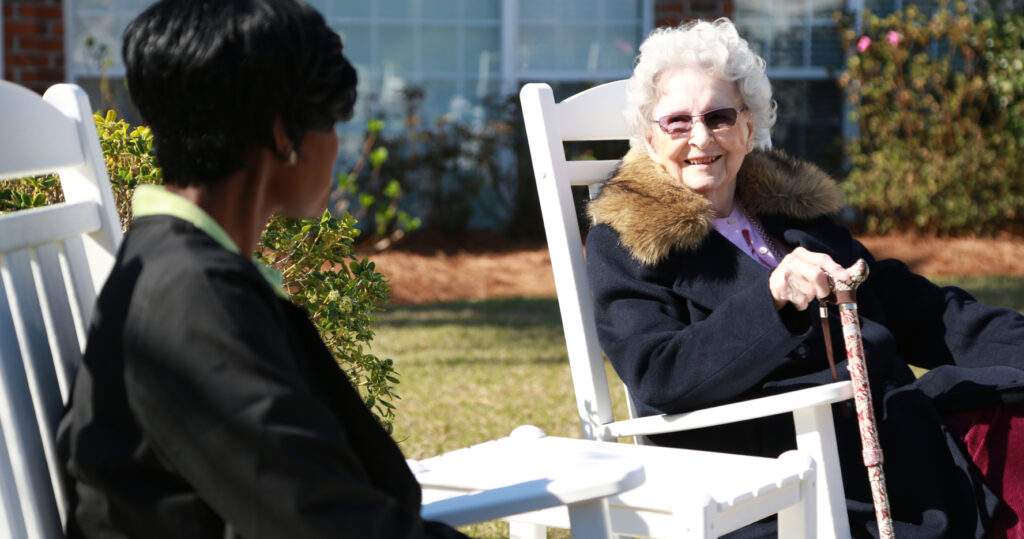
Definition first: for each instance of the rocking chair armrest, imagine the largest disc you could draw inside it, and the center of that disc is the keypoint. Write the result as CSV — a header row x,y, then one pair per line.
x,y
592,483
733,412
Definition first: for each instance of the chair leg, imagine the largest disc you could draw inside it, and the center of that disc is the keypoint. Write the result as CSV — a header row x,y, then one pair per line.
x,y
799,520
816,437
694,517
526,530
590,519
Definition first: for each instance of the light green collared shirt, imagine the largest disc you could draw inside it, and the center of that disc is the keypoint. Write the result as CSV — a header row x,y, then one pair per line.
x,y
156,200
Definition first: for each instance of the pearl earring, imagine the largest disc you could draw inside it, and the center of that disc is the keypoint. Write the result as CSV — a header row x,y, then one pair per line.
x,y
293,158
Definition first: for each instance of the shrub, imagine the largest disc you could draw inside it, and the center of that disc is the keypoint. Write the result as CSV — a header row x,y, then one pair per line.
x,y
938,103
340,292
450,173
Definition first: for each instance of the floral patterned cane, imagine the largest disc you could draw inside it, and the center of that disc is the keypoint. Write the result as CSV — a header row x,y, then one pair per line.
x,y
846,299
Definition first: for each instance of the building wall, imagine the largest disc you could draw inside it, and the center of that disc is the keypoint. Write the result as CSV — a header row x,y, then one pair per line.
x,y
33,43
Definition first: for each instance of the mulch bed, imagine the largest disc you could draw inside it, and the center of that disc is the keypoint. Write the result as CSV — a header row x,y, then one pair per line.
x,y
428,272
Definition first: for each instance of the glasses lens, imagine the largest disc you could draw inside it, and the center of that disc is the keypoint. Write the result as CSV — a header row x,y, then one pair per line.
x,y
675,124
720,119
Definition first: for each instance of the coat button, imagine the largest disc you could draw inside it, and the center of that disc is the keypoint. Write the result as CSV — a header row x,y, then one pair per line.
x,y
801,350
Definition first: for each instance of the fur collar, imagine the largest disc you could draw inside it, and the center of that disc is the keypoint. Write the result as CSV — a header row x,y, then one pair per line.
x,y
653,215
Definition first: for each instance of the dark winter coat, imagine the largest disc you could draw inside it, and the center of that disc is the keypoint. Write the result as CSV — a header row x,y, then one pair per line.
x,y
688,321
205,400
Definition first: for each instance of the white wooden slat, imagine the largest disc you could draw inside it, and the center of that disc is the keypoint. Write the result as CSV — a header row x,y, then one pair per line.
x,y
45,139
734,412
32,484
37,226
78,279
11,524
589,172
30,329
89,181
586,363
58,314
595,114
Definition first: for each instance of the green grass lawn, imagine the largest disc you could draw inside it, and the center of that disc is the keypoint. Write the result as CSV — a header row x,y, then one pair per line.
x,y
472,371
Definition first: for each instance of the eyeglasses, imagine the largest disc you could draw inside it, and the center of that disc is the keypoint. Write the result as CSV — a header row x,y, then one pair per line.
x,y
680,123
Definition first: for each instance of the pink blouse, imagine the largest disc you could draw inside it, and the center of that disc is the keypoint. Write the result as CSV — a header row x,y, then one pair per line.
x,y
741,231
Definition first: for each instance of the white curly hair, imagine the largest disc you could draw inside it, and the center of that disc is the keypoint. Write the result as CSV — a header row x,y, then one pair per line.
x,y
715,47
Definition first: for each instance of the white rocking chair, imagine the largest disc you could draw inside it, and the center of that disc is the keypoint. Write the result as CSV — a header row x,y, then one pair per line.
x,y
596,115
53,262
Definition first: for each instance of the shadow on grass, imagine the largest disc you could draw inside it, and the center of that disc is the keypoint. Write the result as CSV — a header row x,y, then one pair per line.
x,y
491,361
519,313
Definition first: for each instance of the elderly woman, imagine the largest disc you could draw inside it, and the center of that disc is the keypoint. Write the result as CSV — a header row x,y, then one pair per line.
x,y
708,254
207,405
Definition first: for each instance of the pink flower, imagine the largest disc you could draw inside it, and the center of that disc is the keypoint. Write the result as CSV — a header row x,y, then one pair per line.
x,y
893,37
863,43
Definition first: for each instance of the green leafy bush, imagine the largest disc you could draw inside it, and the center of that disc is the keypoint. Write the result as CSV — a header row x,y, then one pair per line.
x,y
938,103
447,173
321,273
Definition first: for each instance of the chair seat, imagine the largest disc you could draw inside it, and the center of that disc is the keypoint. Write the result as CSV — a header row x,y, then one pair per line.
x,y
677,481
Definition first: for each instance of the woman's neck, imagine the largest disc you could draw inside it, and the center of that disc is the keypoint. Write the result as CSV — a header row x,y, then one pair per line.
x,y
237,203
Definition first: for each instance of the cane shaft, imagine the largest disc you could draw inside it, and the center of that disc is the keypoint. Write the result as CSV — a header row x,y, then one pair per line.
x,y
826,332
866,416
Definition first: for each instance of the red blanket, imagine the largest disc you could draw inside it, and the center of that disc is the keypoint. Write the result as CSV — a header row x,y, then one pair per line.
x,y
994,437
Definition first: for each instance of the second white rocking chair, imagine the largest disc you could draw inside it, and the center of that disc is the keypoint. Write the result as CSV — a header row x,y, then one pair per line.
x,y
596,115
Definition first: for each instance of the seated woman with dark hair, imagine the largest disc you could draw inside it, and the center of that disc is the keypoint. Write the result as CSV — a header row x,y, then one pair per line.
x,y
207,405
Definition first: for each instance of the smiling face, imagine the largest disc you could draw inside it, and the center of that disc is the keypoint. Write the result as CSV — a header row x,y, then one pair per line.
x,y
704,160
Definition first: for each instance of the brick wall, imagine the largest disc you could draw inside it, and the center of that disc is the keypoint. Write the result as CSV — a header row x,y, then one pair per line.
x,y
33,43
674,12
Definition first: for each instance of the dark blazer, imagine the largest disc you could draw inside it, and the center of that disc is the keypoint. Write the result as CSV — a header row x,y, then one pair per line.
x,y
206,401
688,321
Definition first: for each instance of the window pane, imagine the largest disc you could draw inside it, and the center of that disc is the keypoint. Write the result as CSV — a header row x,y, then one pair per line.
x,y
440,9
758,35
356,42
537,48
93,4
791,97
104,34
483,9
824,101
788,47
397,48
348,8
823,9
534,10
438,50
621,9
752,8
825,48
482,50
618,47
880,7
394,9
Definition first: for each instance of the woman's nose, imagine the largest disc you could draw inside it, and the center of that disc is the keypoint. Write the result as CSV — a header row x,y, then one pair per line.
x,y
699,134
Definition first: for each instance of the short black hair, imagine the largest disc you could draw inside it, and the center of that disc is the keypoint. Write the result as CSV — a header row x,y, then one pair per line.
x,y
210,76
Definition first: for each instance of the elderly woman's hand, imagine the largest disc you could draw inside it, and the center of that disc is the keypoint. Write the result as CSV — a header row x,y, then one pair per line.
x,y
802,276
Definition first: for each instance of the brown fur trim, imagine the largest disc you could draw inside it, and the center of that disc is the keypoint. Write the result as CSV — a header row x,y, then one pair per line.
x,y
654,215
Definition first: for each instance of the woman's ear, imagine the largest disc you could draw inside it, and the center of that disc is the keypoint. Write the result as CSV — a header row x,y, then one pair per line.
x,y
283,147
750,133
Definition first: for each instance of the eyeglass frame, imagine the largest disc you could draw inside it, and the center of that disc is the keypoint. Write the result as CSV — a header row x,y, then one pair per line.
x,y
694,117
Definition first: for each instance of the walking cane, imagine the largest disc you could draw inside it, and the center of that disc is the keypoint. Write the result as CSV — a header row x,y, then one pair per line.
x,y
846,299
